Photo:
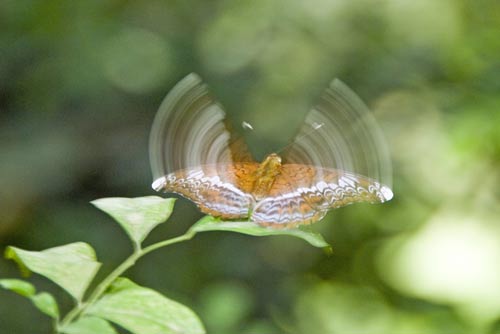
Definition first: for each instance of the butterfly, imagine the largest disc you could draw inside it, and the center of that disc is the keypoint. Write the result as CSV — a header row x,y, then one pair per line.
x,y
338,157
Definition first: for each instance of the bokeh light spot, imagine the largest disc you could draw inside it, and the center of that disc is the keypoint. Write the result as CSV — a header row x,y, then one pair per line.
x,y
453,259
341,308
137,60
236,37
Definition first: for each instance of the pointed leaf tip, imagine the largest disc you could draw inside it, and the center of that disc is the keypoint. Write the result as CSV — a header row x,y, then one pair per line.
x,y
137,216
18,286
71,266
10,254
43,301
46,303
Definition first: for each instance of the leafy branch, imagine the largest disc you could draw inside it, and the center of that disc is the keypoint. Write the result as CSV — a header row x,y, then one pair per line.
x,y
116,299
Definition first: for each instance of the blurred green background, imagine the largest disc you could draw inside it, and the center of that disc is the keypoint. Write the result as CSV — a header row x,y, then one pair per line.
x,y
80,82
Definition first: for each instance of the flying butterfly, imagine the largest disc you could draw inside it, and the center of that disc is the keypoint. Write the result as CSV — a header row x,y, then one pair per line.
x,y
338,157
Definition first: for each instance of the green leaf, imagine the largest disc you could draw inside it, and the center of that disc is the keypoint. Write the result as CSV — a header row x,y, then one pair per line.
x,y
43,301
119,284
209,223
89,325
137,216
46,303
71,266
18,286
141,310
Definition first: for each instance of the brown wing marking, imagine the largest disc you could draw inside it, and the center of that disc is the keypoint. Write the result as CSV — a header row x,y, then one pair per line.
x,y
302,194
325,188
285,205
207,188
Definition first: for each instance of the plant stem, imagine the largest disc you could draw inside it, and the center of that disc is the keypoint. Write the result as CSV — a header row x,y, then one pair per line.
x,y
187,236
80,308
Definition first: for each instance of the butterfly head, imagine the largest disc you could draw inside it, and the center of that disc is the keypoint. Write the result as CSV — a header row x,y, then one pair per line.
x,y
272,161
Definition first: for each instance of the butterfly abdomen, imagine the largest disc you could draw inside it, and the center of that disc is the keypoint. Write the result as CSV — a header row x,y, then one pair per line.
x,y
265,175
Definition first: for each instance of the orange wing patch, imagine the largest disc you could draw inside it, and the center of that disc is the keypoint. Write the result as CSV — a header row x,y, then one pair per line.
x,y
218,190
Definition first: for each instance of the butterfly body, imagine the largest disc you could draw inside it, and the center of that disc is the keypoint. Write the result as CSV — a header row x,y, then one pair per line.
x,y
336,159
264,177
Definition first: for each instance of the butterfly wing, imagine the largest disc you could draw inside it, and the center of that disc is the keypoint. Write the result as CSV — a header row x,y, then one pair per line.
x,y
286,205
205,186
341,134
190,130
289,205
339,188
339,157
193,152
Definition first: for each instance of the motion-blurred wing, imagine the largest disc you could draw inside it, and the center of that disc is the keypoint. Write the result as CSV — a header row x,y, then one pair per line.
x,y
341,134
190,146
189,130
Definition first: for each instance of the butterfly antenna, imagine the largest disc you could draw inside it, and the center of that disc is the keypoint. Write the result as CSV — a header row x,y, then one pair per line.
x,y
247,127
314,127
